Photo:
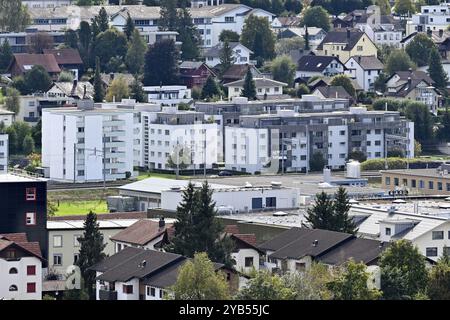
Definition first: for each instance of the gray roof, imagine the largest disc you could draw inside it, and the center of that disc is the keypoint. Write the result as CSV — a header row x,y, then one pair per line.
x,y
334,92
259,82
216,50
72,90
314,63
368,62
341,37
191,64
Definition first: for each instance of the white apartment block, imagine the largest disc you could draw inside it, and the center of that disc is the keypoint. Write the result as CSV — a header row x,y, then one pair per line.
x,y
168,95
434,18
4,153
87,144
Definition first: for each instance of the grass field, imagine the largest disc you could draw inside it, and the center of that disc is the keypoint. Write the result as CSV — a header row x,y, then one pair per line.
x,y
67,208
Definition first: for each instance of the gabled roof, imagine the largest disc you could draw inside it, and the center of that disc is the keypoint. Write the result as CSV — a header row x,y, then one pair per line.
x,y
65,56
216,50
299,242
414,75
140,233
259,82
289,21
368,62
191,64
334,92
26,61
20,240
238,71
342,38
75,89
314,63
406,87
134,263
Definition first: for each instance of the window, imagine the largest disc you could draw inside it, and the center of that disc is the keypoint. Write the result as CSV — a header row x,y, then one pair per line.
x,y
30,194
430,185
57,259
151,291
446,251
13,271
439,185
161,293
31,287
413,183
431,252
30,218
387,181
31,270
13,287
300,266
229,19
127,289
249,261
437,235
271,202
256,203
76,243
76,256
57,241
388,231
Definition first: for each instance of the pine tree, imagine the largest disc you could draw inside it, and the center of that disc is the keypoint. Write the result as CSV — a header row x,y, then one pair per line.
x,y
188,35
436,70
103,20
320,216
6,56
306,36
226,57
210,89
249,89
136,91
91,251
99,91
129,27
169,19
134,58
342,222
161,64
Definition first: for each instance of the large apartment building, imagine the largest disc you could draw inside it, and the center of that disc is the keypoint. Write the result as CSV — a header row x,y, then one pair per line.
x,y
287,140
433,18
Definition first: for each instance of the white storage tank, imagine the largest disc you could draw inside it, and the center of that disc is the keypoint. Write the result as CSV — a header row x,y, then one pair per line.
x,y
353,169
327,175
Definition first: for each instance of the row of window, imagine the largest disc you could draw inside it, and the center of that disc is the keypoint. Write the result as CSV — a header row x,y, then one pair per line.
x,y
58,259
421,185
433,251
31,287
58,240
31,271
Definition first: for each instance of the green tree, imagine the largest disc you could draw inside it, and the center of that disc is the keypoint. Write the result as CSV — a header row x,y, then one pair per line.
x,y
316,17
12,100
398,60
65,76
136,53
358,156
210,89
117,90
37,80
168,20
343,223
283,69
249,89
85,42
286,46
403,271
13,145
39,42
229,35
404,7
419,113
91,251
321,214
301,90
258,37
345,82
317,161
71,39
435,69
351,284
311,284
99,91
28,145
108,44
129,27
419,49
439,280
102,20
293,6
161,64
380,82
188,35
226,57
198,280
14,16
266,286
136,91
277,7
6,56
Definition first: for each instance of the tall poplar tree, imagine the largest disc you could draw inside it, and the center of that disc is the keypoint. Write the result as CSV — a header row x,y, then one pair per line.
x,y
249,89
99,92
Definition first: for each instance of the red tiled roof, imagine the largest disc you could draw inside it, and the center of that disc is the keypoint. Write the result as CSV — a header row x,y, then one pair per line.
x,y
47,61
32,247
15,237
20,240
65,56
140,232
247,238
231,228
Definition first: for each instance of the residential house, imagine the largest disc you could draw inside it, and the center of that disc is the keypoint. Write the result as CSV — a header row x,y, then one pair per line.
x,y
195,73
20,42
72,90
20,268
68,59
23,62
139,274
4,153
337,92
7,117
31,106
47,3
297,248
282,23
315,35
171,95
310,66
238,72
240,54
344,44
430,17
364,70
265,88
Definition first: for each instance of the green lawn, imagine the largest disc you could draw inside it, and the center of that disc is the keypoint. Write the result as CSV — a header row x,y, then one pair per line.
x,y
67,208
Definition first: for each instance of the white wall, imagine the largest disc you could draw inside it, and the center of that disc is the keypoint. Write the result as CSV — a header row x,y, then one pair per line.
x,y
4,154
240,256
20,279
339,146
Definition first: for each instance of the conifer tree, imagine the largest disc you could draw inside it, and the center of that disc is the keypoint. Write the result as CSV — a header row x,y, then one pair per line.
x,y
134,58
249,89
129,27
169,19
99,91
210,89
306,36
320,215
436,70
343,223
6,56
226,57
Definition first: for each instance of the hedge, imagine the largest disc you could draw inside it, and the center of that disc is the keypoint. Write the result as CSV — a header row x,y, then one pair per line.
x,y
398,163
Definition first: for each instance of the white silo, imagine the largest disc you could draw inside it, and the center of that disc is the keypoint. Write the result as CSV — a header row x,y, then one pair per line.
x,y
353,169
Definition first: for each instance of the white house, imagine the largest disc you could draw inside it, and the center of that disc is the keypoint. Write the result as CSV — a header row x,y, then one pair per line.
x,y
20,268
4,153
310,66
364,70
31,106
84,143
171,95
240,54
433,17
265,88
7,117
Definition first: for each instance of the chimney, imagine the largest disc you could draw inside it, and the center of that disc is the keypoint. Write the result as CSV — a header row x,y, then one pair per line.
x,y
162,223
409,81
315,243
348,33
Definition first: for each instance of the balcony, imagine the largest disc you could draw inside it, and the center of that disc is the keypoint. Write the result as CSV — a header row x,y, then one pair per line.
x,y
116,165
31,119
113,123
114,133
107,295
115,144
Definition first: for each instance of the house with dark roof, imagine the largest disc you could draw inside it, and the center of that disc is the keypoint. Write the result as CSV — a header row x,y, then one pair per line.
x,y
145,234
21,268
344,44
195,73
365,70
297,248
76,90
315,35
238,71
333,92
311,65
24,62
265,88
140,274
68,59
240,54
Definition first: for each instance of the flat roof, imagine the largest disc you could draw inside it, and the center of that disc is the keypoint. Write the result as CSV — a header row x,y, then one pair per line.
x,y
7,177
431,173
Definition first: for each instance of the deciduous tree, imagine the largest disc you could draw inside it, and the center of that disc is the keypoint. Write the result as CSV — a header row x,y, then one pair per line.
x,y
136,53
316,17
419,49
161,64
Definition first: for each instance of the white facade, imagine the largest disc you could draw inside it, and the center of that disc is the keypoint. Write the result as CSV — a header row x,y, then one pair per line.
x,y
263,87
31,106
364,77
15,280
4,153
434,18
74,143
240,55
168,95
7,117
244,255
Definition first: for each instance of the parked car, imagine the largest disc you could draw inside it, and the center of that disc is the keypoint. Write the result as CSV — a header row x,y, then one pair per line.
x,y
225,174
